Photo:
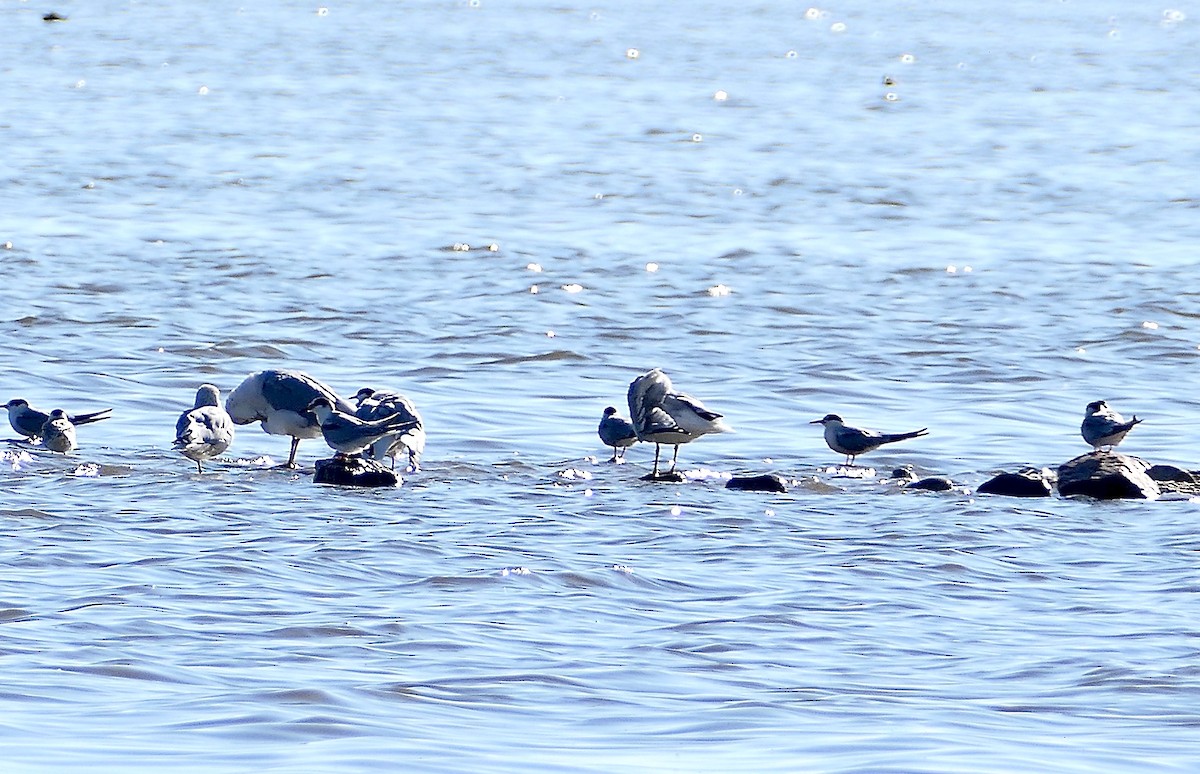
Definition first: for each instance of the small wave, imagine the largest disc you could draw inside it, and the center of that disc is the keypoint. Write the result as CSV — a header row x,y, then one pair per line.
x,y
558,354
26,513
124,671
316,632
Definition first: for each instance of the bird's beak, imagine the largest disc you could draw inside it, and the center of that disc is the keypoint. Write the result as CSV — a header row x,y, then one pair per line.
x,y
817,422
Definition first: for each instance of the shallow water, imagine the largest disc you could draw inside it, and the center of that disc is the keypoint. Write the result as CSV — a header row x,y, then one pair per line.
x,y
997,235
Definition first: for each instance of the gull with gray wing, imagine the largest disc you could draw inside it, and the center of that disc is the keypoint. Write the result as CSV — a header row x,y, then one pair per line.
x,y
662,415
279,400
206,430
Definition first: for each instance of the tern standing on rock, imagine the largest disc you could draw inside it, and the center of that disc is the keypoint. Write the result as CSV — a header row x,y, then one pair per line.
x,y
662,415
373,405
205,431
347,434
279,400
616,431
58,434
1104,427
853,441
28,421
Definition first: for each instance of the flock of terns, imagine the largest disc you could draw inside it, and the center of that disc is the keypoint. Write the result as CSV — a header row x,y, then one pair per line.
x,y
383,423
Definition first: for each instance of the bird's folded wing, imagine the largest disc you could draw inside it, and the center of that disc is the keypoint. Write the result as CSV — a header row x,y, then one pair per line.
x,y
659,421
856,439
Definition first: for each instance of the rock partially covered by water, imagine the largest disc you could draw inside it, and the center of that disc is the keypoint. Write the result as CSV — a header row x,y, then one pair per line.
x,y
767,482
1107,476
931,484
1029,482
354,471
1175,480
1171,473
670,477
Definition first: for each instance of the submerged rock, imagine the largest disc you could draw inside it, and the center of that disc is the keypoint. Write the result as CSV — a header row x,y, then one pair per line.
x,y
932,484
1107,476
1030,482
767,482
354,471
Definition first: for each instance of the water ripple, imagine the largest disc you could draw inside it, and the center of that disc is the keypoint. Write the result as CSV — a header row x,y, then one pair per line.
x,y
510,248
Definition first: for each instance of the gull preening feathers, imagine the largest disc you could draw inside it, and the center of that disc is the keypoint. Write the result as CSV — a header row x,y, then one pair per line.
x,y
662,415
374,405
616,431
280,400
29,421
1104,427
853,441
205,431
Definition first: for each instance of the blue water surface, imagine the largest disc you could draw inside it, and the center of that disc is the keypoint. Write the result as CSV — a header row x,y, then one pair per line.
x,y
975,220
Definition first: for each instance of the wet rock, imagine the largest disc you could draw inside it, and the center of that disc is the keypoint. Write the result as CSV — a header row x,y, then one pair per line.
x,y
673,477
354,471
1173,480
932,484
767,482
904,474
1170,473
1027,483
1107,476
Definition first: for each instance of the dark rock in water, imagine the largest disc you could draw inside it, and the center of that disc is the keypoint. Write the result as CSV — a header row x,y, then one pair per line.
x,y
353,471
1171,473
1173,480
1027,483
932,484
904,473
53,17
673,477
1107,476
768,482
